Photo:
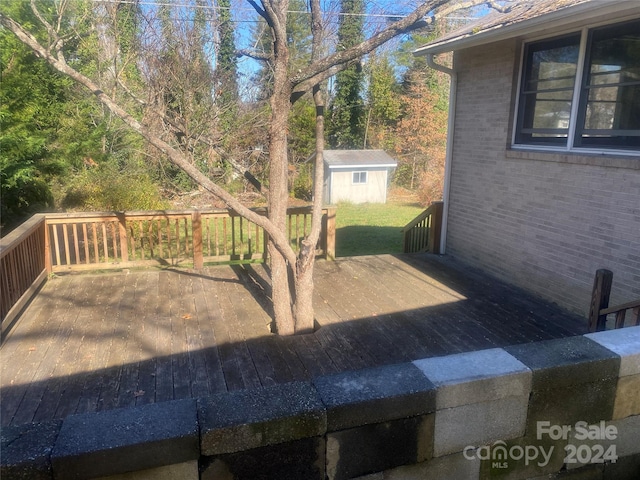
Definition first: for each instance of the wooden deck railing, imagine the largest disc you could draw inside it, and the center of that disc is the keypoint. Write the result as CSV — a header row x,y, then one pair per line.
x,y
129,239
422,234
22,268
96,241
600,309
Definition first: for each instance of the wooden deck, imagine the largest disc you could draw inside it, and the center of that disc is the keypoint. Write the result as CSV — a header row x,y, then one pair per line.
x,y
91,342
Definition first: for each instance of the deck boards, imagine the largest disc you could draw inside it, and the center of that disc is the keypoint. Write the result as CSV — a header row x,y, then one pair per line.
x,y
91,342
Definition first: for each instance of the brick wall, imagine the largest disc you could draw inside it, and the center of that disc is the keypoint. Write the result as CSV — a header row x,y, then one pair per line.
x,y
544,221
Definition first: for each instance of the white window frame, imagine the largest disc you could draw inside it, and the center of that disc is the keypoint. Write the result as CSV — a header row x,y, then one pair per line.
x,y
575,105
360,173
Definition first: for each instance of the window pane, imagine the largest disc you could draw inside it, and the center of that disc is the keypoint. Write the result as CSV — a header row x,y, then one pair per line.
x,y
554,68
606,108
359,177
547,91
550,116
610,103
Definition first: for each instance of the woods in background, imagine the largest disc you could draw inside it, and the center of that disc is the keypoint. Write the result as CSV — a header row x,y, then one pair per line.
x,y
177,68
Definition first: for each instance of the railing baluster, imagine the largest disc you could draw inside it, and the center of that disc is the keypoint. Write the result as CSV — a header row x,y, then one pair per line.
x,y
114,246
65,236
150,239
224,236
208,227
177,225
86,243
160,245
56,243
169,239
132,240
96,255
241,236
76,246
186,236
215,235
105,246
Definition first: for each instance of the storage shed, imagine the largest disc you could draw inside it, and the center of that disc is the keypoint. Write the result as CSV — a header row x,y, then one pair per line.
x,y
357,176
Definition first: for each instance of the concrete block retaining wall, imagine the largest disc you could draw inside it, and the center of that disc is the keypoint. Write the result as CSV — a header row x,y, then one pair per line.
x,y
567,408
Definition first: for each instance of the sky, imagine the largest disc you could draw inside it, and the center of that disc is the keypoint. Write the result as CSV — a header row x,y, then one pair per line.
x,y
377,15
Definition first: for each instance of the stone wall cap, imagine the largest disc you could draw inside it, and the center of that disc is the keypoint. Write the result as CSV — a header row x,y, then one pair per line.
x,y
245,419
566,361
126,439
624,342
375,395
474,377
26,449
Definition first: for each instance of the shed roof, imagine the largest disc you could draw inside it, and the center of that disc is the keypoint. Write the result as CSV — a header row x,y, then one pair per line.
x,y
358,158
529,17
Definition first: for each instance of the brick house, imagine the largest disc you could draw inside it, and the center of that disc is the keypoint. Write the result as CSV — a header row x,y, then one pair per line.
x,y
542,182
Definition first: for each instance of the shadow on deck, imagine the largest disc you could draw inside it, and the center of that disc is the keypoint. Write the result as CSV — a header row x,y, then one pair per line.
x,y
98,342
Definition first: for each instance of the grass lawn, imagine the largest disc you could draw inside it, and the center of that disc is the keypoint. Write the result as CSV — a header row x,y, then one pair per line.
x,y
372,228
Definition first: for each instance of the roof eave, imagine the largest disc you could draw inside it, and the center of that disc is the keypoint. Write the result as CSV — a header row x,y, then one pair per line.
x,y
355,165
579,13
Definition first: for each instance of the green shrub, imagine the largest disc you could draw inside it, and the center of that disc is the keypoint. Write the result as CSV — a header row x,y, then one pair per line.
x,y
109,188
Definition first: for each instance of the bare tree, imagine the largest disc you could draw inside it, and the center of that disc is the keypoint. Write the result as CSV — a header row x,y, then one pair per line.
x,y
291,274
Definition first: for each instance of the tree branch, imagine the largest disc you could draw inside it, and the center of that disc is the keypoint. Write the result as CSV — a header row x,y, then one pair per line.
x,y
258,9
325,68
254,54
203,138
318,68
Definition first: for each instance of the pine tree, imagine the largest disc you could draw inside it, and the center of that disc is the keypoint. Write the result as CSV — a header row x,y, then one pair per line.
x,y
346,125
226,71
383,103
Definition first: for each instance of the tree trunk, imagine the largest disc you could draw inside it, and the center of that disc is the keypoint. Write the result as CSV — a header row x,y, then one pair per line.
x,y
278,171
306,259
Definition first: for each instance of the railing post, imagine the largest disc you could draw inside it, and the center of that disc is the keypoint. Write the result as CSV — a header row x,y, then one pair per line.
x,y
265,246
196,231
124,241
600,300
47,247
265,238
435,228
329,227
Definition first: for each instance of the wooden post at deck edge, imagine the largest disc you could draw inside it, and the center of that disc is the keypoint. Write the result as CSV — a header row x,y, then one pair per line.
x,y
47,247
124,241
330,233
600,300
435,230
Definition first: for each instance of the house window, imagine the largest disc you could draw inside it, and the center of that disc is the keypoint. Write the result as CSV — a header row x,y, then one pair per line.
x,y
582,90
359,178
